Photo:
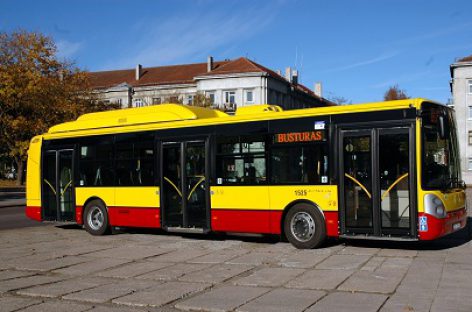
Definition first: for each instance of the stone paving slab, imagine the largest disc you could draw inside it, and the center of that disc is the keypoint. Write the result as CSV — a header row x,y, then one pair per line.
x,y
219,256
129,252
24,282
320,279
173,271
57,307
226,298
161,294
343,262
269,277
62,288
9,304
52,264
349,302
9,274
92,266
257,258
303,259
181,255
133,269
282,300
216,274
108,292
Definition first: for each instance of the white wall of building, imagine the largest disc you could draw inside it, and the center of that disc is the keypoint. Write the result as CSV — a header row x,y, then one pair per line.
x,y
462,100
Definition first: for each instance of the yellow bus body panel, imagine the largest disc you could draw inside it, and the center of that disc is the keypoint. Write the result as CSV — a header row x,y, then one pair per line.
x,y
324,196
107,194
137,197
240,197
33,173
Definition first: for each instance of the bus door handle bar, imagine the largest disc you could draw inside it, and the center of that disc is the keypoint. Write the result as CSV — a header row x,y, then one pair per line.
x,y
66,187
52,187
175,187
195,187
393,185
359,183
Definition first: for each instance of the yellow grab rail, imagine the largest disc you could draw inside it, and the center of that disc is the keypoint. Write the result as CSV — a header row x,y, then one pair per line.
x,y
175,187
195,187
65,188
52,187
393,185
358,183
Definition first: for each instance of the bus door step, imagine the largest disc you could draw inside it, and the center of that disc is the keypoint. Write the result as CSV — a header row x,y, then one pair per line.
x,y
178,229
382,238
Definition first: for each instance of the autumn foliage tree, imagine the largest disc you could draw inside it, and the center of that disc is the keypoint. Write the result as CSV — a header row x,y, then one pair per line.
x,y
37,90
395,93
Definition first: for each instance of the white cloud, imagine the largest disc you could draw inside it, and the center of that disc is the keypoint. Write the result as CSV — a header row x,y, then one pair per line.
x,y
374,60
190,37
67,49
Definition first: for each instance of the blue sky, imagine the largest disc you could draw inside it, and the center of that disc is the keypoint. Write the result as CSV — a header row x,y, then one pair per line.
x,y
356,48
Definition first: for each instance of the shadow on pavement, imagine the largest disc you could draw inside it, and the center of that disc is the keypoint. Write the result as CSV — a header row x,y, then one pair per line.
x,y
453,240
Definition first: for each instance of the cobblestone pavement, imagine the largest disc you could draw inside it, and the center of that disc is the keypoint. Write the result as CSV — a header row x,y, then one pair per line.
x,y
63,268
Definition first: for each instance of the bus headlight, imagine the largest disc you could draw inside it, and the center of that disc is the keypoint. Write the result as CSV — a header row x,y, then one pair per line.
x,y
434,206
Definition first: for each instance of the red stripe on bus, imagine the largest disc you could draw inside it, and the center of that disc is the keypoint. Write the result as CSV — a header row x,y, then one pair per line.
x,y
33,212
247,221
436,227
134,217
332,225
78,214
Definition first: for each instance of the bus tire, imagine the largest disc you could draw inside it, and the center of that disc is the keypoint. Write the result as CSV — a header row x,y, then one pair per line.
x,y
96,218
304,226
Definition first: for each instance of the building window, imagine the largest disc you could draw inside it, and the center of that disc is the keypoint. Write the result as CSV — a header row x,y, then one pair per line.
x,y
174,99
470,137
190,99
211,96
156,101
119,101
470,112
138,102
470,86
469,164
230,97
249,96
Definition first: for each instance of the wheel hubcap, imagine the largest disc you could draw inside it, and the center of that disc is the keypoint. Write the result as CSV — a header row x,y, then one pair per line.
x,y
95,218
302,226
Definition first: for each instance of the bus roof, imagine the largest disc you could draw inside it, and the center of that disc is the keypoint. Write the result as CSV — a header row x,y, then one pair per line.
x,y
177,115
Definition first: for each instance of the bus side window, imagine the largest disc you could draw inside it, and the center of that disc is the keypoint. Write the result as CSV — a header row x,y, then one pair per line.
x,y
96,161
241,160
299,164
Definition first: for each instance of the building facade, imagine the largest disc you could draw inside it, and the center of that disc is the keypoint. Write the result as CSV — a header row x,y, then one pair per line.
x,y
461,88
227,85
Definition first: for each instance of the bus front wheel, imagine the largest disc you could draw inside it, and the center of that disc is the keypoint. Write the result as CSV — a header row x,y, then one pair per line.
x,y
304,226
96,218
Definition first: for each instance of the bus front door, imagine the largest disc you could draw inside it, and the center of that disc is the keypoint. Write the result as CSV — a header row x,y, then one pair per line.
x,y
58,185
376,182
184,197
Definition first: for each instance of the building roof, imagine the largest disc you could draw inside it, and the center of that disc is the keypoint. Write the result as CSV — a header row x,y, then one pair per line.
x,y
184,74
465,59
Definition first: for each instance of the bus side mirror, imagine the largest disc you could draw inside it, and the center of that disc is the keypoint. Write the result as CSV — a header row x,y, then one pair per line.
x,y
442,130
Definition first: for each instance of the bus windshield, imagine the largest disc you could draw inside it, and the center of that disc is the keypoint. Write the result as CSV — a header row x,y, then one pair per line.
x,y
441,165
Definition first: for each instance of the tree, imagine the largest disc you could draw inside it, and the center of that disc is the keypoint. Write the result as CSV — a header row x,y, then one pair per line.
x,y
37,90
395,93
339,100
201,100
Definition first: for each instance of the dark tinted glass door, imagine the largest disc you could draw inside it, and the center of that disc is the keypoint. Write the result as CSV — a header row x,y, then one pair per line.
x,y
58,185
375,181
357,178
394,171
184,184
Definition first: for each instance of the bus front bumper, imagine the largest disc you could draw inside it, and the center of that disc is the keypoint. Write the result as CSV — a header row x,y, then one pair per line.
x,y
431,227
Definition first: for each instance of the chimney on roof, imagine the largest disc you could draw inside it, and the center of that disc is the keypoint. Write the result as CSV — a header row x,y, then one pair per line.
x,y
139,69
210,64
295,76
288,74
318,89
279,72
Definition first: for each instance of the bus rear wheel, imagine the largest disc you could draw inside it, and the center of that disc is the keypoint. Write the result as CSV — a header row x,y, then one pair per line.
x,y
96,218
304,226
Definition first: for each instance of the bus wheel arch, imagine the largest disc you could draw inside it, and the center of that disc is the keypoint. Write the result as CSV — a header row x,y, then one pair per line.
x,y
303,224
95,216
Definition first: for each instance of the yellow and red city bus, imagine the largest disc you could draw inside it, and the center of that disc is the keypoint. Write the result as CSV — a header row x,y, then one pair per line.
x,y
387,170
